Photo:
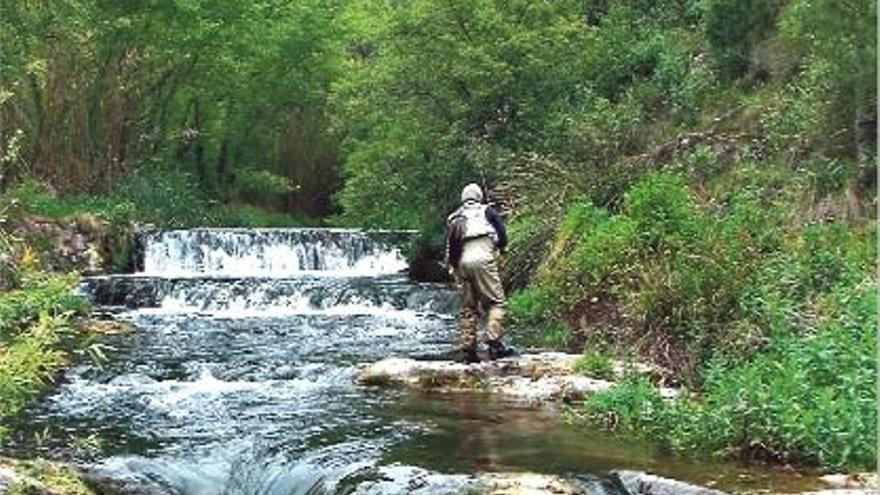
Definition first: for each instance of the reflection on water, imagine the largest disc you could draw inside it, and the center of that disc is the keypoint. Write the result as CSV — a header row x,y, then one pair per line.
x,y
472,433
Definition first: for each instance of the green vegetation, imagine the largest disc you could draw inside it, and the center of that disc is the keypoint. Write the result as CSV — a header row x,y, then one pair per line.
x,y
157,197
171,103
36,332
690,182
802,398
51,296
594,364
772,321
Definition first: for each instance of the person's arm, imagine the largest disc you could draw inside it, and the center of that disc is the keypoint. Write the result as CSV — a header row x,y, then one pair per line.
x,y
454,236
497,222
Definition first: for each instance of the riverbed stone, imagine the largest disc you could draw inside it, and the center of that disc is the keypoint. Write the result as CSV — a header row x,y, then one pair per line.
x,y
641,483
539,377
409,480
843,480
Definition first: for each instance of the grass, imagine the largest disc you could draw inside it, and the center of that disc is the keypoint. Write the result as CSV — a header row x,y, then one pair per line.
x,y
807,399
49,295
30,361
162,198
594,364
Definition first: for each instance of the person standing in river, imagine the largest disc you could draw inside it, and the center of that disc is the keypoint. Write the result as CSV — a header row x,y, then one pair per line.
x,y
475,235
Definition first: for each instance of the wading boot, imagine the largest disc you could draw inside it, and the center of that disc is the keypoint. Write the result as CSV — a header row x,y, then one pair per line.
x,y
498,350
469,356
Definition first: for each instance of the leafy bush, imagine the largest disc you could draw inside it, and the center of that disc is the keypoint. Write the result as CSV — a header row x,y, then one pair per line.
x,y
533,304
552,336
664,211
253,217
633,406
734,29
256,186
160,194
41,294
29,362
594,364
605,250
801,399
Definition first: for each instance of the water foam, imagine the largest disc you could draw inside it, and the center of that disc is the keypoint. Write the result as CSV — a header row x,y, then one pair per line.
x,y
270,252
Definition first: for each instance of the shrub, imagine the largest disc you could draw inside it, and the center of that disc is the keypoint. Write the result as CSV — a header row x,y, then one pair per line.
x,y
253,217
533,304
734,29
633,406
594,364
262,187
156,194
553,336
664,211
806,399
604,250
41,294
28,362
159,194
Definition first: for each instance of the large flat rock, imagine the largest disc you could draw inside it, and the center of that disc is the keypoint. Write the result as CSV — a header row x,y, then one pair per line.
x,y
542,377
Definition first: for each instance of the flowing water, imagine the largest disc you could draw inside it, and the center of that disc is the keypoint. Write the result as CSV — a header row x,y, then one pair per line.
x,y
239,380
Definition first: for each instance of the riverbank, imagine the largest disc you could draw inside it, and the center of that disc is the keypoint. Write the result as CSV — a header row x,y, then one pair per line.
x,y
41,477
555,378
44,328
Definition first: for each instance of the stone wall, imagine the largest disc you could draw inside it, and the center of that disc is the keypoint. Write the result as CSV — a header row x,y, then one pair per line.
x,y
84,243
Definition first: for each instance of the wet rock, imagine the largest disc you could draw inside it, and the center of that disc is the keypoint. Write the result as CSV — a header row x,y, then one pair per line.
x,y
527,484
409,480
106,326
8,479
848,484
843,491
640,483
841,481
531,377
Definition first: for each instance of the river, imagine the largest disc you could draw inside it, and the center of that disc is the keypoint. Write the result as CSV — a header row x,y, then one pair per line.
x,y
239,380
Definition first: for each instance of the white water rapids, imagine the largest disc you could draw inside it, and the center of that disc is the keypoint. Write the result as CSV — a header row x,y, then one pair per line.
x,y
270,253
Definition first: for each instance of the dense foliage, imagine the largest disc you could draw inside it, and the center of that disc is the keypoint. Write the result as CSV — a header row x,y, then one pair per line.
x,y
229,92
690,182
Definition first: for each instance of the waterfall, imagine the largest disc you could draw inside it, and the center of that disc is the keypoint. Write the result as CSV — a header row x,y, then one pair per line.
x,y
240,272
271,252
